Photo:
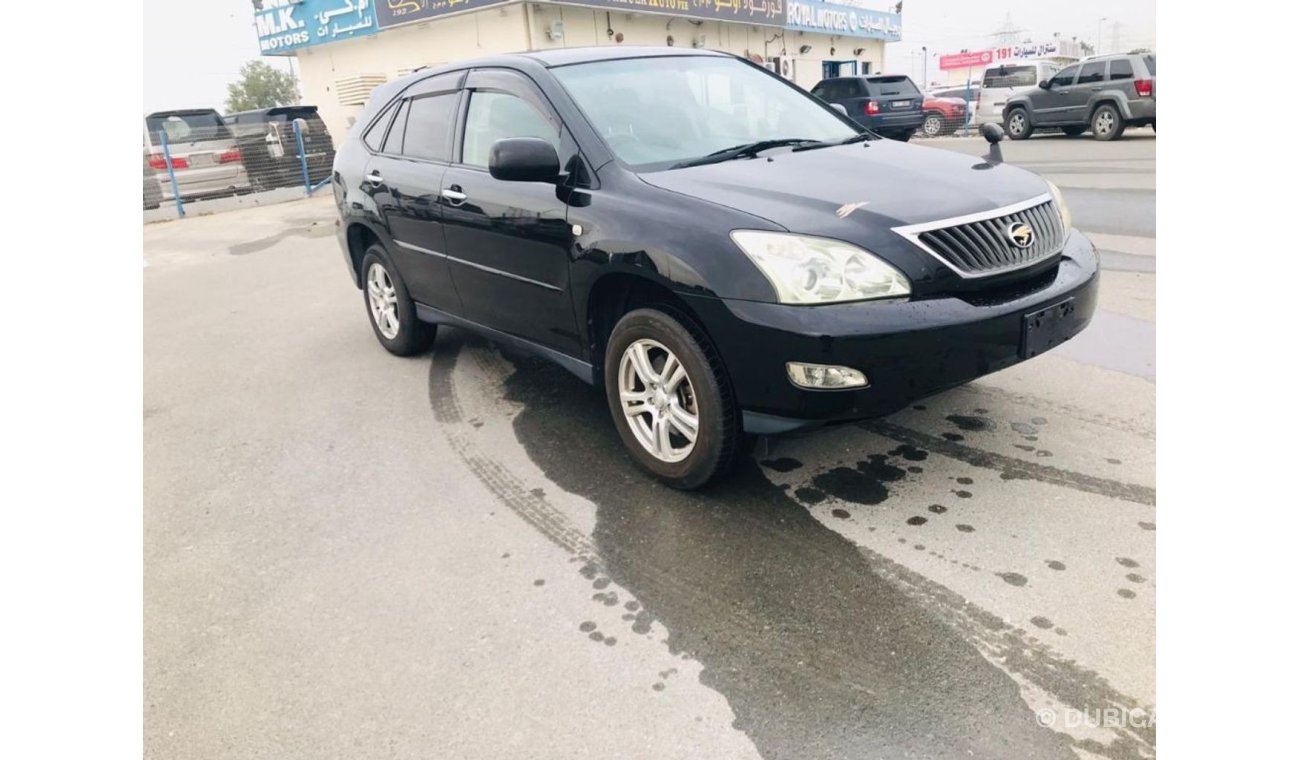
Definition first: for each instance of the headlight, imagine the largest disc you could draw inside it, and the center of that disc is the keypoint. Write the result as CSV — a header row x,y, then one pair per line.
x,y
1060,205
812,270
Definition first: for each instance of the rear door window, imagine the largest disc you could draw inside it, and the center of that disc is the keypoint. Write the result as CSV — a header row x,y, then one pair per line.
x,y
1092,72
430,125
1120,68
1011,76
398,131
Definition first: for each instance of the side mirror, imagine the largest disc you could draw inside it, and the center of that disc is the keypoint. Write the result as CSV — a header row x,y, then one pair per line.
x,y
523,159
840,107
993,133
1045,85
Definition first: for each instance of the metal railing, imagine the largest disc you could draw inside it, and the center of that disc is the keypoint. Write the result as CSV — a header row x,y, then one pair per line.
x,y
239,160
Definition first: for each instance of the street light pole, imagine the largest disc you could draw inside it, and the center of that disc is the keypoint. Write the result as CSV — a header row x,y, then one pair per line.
x,y
1099,22
925,67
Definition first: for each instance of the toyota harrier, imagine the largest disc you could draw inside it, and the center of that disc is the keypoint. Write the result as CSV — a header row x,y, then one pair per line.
x,y
719,251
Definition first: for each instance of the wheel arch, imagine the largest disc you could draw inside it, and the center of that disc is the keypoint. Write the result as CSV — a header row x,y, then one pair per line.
x,y
615,293
359,237
1107,99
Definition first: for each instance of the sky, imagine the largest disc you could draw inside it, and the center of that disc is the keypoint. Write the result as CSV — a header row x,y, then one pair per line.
x,y
193,49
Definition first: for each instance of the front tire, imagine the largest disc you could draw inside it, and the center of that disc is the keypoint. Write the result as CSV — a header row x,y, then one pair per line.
x,y
933,126
670,397
1017,124
1107,124
391,310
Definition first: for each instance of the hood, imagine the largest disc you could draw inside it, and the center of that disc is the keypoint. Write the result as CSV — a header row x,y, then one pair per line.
x,y
887,184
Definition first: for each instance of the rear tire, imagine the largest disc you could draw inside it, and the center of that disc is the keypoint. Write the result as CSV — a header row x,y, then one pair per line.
x,y
1107,124
390,308
648,350
1017,125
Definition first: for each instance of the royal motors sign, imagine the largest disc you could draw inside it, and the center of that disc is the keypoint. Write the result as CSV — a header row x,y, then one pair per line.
x,y
287,25
397,12
759,12
850,18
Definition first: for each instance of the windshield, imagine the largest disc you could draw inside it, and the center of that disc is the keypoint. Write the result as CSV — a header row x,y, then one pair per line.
x,y
657,112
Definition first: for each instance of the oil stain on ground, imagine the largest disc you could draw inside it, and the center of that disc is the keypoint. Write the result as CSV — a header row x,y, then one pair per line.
x,y
818,656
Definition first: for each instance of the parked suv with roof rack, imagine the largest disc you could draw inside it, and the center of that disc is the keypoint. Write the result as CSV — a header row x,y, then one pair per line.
x,y
1104,94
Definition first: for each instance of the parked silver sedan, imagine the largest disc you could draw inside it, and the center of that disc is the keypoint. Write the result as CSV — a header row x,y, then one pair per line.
x,y
204,155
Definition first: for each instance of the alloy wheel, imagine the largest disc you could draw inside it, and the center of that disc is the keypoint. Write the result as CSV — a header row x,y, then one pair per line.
x,y
382,297
1016,124
1105,123
658,399
933,126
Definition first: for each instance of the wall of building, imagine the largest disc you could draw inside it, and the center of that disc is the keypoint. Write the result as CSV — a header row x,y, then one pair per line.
x,y
523,26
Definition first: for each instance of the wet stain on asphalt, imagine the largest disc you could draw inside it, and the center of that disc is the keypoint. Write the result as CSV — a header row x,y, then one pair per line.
x,y
910,453
822,648
954,437
1146,525
842,514
971,424
782,464
864,484
1126,562
966,528
818,656
917,520
1015,579
1127,593
1041,621
938,509
1055,564
809,495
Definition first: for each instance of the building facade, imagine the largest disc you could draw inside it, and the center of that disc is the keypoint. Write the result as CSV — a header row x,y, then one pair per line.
x,y
345,48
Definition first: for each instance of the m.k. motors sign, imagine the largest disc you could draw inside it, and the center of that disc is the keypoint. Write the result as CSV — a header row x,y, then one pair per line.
x,y
286,25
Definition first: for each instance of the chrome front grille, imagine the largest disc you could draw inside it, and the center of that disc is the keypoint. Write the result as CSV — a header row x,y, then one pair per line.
x,y
980,245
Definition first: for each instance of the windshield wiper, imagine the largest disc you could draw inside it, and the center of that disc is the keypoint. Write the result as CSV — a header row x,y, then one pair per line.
x,y
860,137
747,150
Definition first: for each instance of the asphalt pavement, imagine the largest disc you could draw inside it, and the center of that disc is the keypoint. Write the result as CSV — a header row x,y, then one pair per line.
x,y
348,554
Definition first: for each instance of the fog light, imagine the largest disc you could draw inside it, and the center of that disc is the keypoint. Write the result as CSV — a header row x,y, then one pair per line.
x,y
824,377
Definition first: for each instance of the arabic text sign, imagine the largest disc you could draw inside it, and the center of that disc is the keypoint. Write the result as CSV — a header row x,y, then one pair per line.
x,y
286,25
758,12
965,60
848,19
395,12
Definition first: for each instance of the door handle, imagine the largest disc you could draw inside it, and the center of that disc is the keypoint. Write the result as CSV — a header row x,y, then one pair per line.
x,y
454,195
374,178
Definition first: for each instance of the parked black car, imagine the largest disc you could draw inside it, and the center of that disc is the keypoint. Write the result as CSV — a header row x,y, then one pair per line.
x,y
887,104
1104,95
270,148
719,251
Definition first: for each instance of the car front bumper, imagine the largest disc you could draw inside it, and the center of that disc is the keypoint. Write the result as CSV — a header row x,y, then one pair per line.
x,y
907,349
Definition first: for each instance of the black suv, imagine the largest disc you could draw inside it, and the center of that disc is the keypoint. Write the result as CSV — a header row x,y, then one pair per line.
x,y
887,104
1104,94
270,147
718,251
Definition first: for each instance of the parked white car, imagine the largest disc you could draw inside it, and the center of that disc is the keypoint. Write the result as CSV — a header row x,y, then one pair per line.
x,y
1004,80
205,156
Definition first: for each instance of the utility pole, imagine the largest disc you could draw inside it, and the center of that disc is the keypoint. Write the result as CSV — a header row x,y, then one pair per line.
x,y
925,67
1099,22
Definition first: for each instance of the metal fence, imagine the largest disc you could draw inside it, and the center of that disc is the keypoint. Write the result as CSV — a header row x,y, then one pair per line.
x,y
262,161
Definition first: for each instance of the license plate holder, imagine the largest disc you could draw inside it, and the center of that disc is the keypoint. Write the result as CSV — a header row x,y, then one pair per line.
x,y
902,104
202,159
1046,328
